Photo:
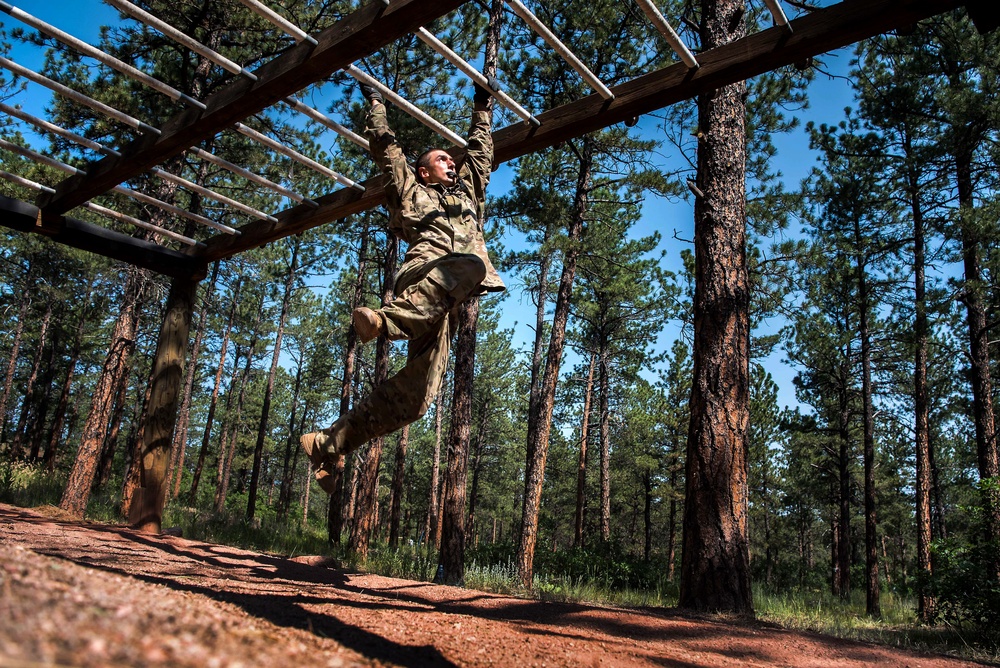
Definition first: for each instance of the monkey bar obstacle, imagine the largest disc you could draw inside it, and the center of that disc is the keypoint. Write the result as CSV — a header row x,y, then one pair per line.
x,y
313,59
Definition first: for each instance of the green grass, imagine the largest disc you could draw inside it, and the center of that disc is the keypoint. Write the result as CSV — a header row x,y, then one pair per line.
x,y
29,485
821,612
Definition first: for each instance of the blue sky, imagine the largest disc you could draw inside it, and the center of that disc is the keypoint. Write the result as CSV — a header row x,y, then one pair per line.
x,y
674,220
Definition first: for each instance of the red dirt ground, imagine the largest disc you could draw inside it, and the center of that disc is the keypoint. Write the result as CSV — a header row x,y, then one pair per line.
x,y
84,594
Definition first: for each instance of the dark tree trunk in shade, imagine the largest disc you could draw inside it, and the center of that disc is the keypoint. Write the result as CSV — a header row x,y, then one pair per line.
x,y
265,411
214,401
925,602
431,534
179,445
227,448
41,413
15,350
28,404
452,555
336,509
366,502
844,492
715,563
979,354
581,465
672,528
291,459
605,432
872,591
477,467
62,406
396,493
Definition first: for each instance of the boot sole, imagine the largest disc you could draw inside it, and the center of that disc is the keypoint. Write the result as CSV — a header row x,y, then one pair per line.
x,y
326,481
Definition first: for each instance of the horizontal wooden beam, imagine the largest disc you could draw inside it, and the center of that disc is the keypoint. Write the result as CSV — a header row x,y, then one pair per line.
x,y
816,33
359,34
24,217
297,219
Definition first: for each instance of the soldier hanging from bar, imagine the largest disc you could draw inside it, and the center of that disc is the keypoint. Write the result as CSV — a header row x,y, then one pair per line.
x,y
438,212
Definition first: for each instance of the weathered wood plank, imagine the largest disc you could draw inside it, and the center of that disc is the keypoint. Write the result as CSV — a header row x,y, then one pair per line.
x,y
357,35
814,34
24,217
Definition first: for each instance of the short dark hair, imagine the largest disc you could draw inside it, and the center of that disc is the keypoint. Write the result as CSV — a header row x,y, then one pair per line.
x,y
424,159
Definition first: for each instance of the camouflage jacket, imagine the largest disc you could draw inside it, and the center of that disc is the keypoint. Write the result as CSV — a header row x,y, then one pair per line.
x,y
431,219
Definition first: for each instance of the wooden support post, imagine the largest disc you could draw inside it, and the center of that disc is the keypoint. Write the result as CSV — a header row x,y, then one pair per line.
x,y
146,510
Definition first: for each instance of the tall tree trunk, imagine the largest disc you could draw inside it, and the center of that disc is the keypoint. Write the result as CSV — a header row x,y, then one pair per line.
x,y
15,350
133,449
452,555
230,435
672,526
77,492
227,453
28,404
540,424
366,503
872,589
938,509
647,514
214,401
538,349
979,354
835,579
146,510
715,564
291,452
265,411
59,418
336,509
477,466
106,461
844,476
433,516
396,493
605,429
581,466
37,425
925,602
179,443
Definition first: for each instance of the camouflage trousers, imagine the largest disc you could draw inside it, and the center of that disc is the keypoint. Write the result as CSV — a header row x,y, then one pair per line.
x,y
425,315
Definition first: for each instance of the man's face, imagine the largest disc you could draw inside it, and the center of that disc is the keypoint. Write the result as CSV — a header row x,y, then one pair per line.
x,y
440,169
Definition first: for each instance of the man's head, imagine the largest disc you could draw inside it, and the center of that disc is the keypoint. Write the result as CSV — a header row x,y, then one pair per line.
x,y
436,166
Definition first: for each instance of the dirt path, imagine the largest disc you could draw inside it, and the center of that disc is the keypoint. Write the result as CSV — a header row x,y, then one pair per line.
x,y
82,594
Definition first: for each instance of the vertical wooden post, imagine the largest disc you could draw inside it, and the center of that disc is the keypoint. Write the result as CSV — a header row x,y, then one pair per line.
x,y
146,510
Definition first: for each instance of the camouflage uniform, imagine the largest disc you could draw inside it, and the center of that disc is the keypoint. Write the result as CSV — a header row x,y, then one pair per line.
x,y
445,263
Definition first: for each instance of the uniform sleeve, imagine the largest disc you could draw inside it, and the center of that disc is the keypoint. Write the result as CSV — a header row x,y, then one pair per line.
x,y
479,157
388,155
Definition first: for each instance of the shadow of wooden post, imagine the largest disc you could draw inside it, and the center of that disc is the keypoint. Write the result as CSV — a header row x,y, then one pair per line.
x,y
146,511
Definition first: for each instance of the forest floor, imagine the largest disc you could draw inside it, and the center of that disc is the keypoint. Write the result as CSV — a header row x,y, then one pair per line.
x,y
84,594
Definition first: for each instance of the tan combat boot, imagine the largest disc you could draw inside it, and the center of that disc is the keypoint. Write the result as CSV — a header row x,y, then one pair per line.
x,y
324,448
367,323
